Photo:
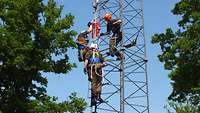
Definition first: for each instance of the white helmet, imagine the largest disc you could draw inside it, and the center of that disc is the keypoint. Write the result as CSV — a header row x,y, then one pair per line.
x,y
93,46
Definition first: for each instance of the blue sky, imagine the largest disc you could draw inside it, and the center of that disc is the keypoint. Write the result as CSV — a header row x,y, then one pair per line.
x,y
157,17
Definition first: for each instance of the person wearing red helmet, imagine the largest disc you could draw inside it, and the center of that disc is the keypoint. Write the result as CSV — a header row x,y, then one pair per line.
x,y
107,17
114,26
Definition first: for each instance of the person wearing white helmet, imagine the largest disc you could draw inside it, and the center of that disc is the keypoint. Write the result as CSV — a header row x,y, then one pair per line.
x,y
93,66
94,46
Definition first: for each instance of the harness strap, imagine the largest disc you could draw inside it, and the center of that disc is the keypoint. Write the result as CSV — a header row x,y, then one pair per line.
x,y
94,60
81,46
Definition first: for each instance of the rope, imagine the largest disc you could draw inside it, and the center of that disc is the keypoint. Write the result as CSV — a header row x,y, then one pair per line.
x,y
97,72
91,71
95,69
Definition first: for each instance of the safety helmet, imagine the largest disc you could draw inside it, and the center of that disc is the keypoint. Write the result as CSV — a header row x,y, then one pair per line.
x,y
93,46
107,17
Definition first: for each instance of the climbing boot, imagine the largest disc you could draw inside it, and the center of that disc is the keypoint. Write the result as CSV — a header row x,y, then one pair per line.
x,y
119,55
93,102
100,100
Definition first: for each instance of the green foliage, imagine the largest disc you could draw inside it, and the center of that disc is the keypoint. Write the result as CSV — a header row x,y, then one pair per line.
x,y
182,108
49,105
31,34
181,52
189,10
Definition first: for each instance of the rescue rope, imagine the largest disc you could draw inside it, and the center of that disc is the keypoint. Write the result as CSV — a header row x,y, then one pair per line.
x,y
95,69
97,72
91,70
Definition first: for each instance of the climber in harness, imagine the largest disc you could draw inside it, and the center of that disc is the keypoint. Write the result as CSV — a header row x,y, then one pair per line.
x,y
82,42
94,63
114,26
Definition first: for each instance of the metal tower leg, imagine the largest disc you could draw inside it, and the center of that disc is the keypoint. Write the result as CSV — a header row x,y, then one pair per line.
x,y
122,74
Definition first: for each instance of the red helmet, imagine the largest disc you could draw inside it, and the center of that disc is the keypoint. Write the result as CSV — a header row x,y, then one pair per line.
x,y
107,17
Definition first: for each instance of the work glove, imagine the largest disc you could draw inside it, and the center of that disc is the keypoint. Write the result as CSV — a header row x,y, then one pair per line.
x,y
87,40
104,64
85,71
102,34
89,23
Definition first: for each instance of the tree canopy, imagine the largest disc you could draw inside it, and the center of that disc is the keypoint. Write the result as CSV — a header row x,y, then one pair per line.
x,y
182,108
32,32
181,52
50,105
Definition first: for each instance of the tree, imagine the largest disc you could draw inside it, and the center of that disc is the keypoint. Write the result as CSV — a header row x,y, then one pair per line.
x,y
49,105
181,52
31,34
182,108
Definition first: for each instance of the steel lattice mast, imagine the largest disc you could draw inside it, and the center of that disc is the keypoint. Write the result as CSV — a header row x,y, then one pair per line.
x,y
125,88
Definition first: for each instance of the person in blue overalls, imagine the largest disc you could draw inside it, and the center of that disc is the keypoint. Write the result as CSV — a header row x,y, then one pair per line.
x,y
94,62
82,42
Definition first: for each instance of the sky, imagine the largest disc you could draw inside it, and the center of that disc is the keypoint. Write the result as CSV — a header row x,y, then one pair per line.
x,y
157,17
